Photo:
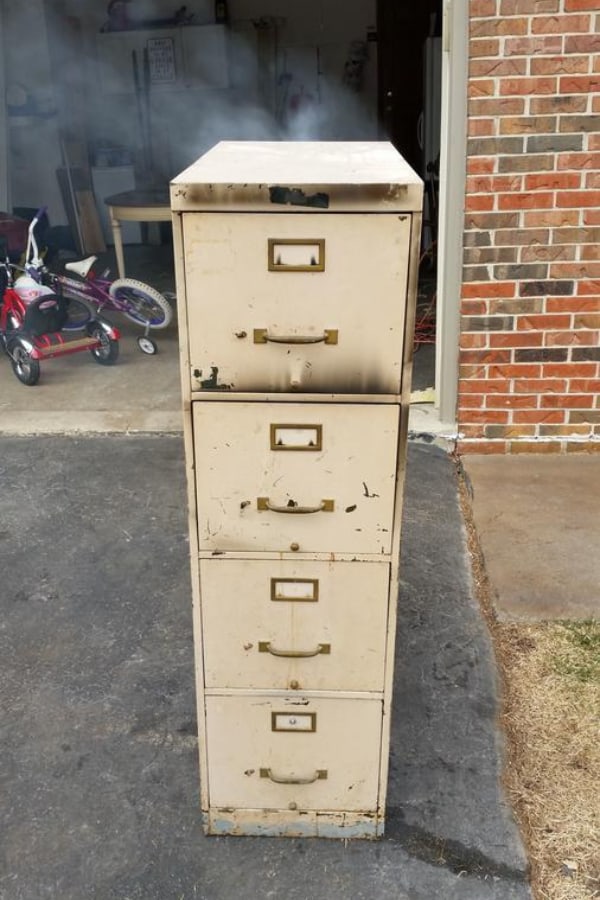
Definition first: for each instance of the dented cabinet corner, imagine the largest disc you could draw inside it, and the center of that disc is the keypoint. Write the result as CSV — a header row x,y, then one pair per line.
x,y
295,344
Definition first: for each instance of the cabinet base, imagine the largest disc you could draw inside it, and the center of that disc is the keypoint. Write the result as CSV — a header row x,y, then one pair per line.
x,y
283,823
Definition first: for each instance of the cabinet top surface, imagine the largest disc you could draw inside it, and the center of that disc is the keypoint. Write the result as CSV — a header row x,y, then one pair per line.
x,y
308,162
247,169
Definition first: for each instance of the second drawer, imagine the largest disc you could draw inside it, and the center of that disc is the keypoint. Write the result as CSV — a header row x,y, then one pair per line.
x,y
271,624
309,477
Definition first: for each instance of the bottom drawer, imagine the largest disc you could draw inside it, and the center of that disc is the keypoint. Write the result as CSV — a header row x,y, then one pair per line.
x,y
293,752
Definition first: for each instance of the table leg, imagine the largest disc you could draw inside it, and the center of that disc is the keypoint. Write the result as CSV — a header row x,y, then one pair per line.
x,y
118,239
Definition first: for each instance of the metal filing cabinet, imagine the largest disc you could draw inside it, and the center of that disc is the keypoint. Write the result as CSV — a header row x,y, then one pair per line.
x,y
296,267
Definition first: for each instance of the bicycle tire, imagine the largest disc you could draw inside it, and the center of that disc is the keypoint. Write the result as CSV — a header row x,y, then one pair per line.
x,y
160,311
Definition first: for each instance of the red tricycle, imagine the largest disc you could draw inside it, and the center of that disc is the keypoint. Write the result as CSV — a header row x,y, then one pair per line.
x,y
37,324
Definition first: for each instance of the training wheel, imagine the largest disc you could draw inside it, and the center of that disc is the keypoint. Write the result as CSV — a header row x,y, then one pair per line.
x,y
147,345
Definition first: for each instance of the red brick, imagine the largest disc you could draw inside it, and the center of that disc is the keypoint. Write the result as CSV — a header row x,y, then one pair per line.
x,y
570,370
489,289
481,127
585,385
517,370
566,401
590,251
539,385
570,338
543,323
482,8
479,165
587,320
487,356
538,416
484,386
541,253
578,199
482,87
588,287
560,24
579,160
512,339
560,65
473,307
577,5
484,184
467,341
571,104
509,86
479,202
579,84
470,401
484,416
498,27
582,43
572,304
575,270
591,217
524,200
552,219
512,401
592,180
506,106
526,7
552,181
498,68
530,46
484,46
528,125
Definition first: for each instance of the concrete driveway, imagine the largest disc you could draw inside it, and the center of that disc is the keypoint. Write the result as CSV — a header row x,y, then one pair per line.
x,y
99,780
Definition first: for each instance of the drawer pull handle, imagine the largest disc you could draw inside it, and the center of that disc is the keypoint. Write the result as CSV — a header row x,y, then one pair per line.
x,y
320,774
263,503
267,647
262,336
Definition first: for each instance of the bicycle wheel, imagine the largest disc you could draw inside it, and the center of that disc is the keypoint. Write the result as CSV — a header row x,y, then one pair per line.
x,y
108,350
25,368
141,303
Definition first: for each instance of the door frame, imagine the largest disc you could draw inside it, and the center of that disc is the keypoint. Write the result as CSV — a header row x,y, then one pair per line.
x,y
4,136
453,173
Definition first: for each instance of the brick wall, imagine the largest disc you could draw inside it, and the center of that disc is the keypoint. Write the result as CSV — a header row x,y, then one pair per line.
x,y
530,312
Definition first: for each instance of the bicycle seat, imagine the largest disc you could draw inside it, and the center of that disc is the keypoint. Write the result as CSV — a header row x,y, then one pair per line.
x,y
81,267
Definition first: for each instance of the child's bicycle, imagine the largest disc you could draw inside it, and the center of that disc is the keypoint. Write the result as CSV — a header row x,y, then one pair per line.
x,y
38,324
137,301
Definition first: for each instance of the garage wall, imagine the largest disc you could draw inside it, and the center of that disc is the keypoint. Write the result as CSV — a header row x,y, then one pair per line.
x,y
296,71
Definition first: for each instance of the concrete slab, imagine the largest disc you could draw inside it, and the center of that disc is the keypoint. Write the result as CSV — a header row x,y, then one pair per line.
x,y
98,731
537,518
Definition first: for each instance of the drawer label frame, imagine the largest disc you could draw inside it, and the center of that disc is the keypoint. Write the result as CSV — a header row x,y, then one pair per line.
x,y
314,245
296,722
277,597
276,428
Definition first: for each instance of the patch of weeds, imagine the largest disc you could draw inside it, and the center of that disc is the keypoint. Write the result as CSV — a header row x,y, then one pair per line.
x,y
580,655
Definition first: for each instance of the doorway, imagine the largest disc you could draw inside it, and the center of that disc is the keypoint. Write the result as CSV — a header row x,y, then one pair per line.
x,y
422,77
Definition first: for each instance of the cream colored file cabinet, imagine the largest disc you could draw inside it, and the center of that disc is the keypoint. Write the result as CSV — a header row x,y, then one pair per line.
x,y
296,268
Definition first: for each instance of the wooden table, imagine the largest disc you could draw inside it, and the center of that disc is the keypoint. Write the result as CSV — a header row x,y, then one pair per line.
x,y
136,206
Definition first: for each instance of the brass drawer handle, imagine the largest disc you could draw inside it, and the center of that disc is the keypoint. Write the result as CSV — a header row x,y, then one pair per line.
x,y
267,647
320,774
263,503
262,336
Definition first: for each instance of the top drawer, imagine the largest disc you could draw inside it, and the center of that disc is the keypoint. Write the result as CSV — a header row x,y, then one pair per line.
x,y
296,301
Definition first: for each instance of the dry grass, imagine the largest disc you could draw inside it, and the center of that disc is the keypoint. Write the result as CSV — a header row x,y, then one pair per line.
x,y
551,718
